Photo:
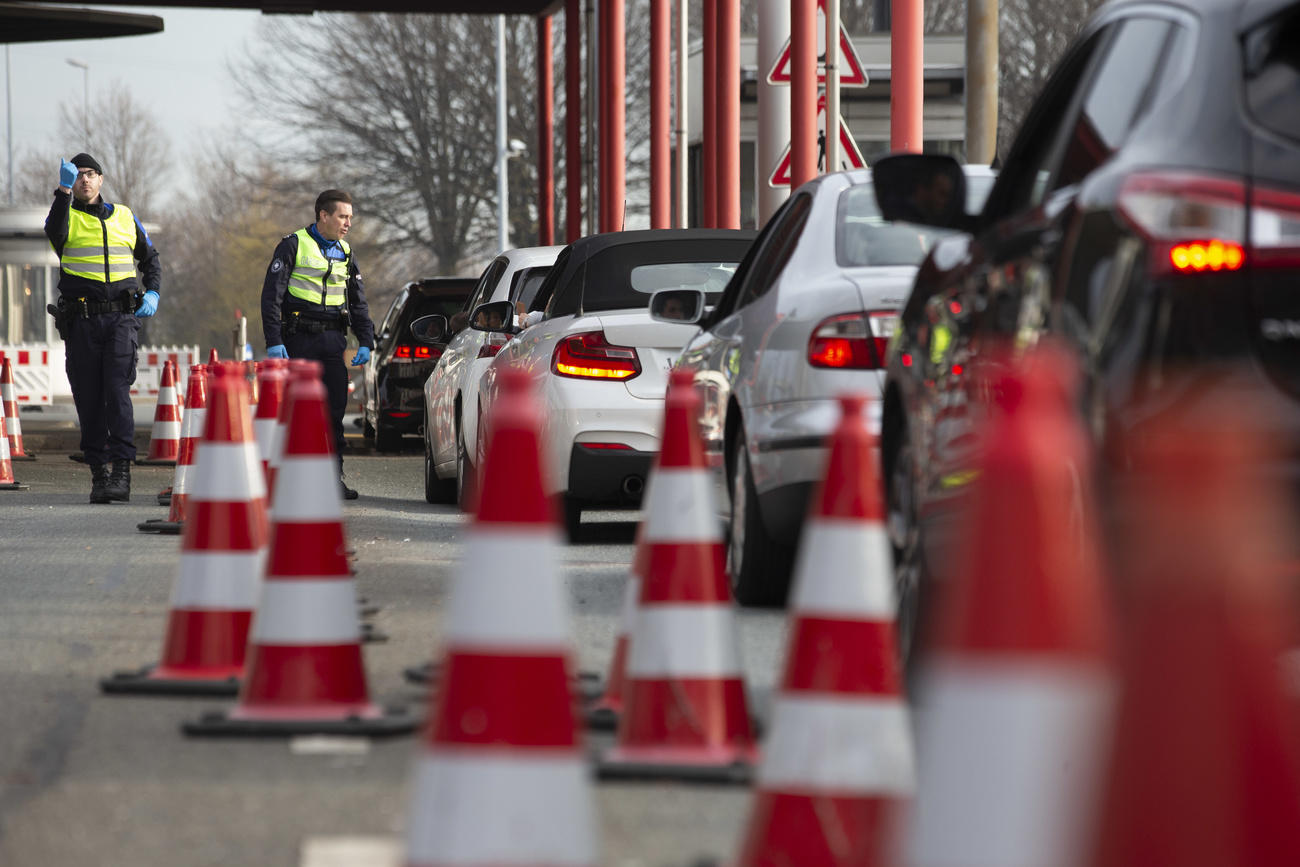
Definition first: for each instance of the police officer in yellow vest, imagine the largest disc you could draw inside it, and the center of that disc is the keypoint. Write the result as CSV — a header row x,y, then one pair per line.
x,y
312,294
99,245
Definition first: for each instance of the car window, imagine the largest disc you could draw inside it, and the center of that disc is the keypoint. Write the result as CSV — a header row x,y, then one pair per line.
x,y
483,290
863,238
1120,93
1023,180
394,309
731,293
526,282
624,276
777,250
1273,74
545,292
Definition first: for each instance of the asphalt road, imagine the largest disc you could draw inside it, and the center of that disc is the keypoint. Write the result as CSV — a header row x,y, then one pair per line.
x,y
87,778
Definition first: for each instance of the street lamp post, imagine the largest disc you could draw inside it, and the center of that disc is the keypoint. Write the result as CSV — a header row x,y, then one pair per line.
x,y
506,148
85,96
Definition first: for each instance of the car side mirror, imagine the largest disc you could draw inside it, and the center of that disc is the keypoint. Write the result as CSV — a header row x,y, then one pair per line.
x,y
497,316
926,189
681,306
430,329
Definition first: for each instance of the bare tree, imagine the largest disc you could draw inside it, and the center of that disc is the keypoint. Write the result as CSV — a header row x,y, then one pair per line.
x,y
129,143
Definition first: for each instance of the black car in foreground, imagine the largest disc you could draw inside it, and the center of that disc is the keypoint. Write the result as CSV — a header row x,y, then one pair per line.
x,y
1147,217
392,399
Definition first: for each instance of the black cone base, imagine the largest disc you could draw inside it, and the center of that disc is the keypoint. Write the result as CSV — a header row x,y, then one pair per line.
x,y
395,721
139,683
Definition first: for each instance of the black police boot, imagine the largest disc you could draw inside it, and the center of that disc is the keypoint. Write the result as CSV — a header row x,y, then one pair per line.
x,y
119,482
99,484
344,491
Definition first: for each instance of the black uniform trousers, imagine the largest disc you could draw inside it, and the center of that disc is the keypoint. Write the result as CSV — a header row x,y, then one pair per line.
x,y
327,348
101,356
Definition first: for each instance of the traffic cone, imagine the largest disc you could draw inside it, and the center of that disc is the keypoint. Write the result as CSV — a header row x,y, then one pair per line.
x,y
13,428
223,550
213,357
603,713
1016,686
191,431
305,674
837,760
1203,768
501,777
299,369
685,714
7,481
251,371
272,380
164,443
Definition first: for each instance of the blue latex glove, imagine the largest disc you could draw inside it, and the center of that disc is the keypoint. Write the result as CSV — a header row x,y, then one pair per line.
x,y
277,351
148,305
67,174
362,356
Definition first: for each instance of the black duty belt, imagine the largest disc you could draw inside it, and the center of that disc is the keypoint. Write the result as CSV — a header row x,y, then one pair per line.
x,y
86,307
316,326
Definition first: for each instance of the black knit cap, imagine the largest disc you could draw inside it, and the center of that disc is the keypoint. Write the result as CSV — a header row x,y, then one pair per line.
x,y
86,161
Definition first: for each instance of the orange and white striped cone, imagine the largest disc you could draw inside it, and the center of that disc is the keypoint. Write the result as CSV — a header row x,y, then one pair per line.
x,y
1017,687
7,481
251,371
1203,765
272,381
685,714
165,441
223,550
213,357
191,432
501,777
298,369
603,713
305,674
13,426
837,759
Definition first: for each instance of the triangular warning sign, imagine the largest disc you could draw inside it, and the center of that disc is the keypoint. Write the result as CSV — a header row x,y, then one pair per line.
x,y
850,65
850,156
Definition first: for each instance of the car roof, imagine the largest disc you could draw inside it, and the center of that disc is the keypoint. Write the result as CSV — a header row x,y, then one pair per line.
x,y
591,244
1250,11
442,286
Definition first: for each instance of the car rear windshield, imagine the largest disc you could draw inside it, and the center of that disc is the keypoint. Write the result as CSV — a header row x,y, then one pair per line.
x,y
864,239
423,305
1273,74
625,276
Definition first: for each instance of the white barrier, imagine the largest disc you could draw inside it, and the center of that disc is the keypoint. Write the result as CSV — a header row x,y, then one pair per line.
x,y
40,375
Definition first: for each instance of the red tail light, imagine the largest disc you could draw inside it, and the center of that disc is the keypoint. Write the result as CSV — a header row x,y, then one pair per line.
x,y
606,447
1194,223
590,356
852,341
406,352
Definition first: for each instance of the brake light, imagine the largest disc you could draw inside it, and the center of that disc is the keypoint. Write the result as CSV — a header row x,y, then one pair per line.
x,y
607,447
852,341
1193,223
590,356
406,352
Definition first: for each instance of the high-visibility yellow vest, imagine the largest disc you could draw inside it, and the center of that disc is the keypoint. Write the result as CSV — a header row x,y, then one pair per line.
x,y
100,250
316,279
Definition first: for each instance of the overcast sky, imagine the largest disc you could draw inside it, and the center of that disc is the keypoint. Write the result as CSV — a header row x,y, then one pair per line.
x,y
179,74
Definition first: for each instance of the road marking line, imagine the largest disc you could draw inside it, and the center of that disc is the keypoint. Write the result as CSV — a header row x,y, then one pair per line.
x,y
350,852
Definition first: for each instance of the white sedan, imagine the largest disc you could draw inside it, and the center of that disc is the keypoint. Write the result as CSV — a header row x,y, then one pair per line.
x,y
514,277
601,363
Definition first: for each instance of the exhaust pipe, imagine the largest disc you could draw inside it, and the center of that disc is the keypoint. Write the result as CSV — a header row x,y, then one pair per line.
x,y
633,485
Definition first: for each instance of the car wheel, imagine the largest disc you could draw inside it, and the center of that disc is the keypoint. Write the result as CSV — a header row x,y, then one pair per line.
x,y
904,530
465,477
387,439
436,490
759,566
572,519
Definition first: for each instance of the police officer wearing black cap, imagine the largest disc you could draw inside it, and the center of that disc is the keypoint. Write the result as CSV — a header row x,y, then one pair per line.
x,y
99,245
312,294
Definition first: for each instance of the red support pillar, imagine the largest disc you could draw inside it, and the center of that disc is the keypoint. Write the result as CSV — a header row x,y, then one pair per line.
x,y
907,75
545,135
602,116
572,122
728,114
803,92
709,144
617,112
660,106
